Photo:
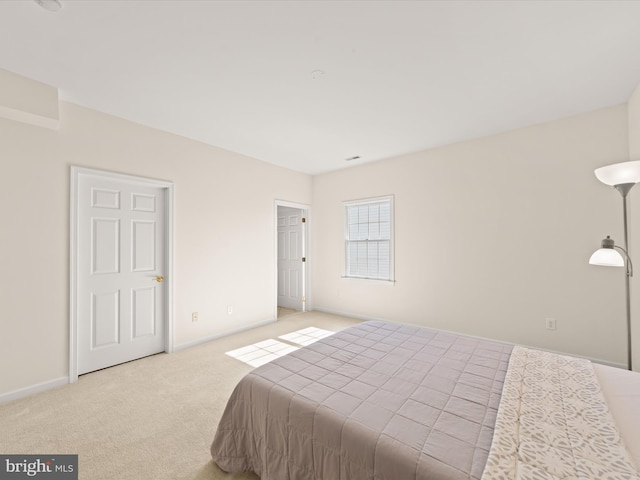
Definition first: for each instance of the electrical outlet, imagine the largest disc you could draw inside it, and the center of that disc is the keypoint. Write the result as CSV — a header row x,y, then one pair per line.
x,y
229,310
550,323
195,316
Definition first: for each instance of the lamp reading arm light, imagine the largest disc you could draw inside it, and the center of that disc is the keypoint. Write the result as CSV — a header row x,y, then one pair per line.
x,y
608,256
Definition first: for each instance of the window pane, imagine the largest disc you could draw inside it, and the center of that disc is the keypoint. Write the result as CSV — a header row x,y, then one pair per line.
x,y
363,214
385,212
363,231
384,251
352,261
374,231
353,231
362,259
372,260
352,213
384,259
385,230
374,213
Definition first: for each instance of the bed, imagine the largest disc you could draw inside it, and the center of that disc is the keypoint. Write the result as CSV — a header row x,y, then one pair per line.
x,y
388,401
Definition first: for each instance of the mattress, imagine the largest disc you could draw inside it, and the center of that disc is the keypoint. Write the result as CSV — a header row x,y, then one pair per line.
x,y
377,400
621,389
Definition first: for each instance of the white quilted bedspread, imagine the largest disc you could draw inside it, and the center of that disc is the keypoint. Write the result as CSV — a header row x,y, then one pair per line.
x,y
553,423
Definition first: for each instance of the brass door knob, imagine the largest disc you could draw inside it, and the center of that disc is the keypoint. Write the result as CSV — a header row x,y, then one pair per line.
x,y
159,278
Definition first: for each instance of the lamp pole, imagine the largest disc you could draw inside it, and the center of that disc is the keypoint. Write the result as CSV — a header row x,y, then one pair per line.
x,y
624,189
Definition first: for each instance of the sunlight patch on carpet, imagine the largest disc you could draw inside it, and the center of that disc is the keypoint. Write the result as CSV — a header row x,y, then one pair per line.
x,y
306,336
263,352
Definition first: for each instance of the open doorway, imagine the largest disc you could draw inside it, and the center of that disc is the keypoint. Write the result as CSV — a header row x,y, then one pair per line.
x,y
292,261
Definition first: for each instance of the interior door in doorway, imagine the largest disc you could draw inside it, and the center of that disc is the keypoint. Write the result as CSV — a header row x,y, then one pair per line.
x,y
121,254
290,258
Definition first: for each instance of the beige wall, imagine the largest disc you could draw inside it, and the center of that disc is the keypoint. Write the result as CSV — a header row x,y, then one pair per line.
x,y
224,232
634,124
492,237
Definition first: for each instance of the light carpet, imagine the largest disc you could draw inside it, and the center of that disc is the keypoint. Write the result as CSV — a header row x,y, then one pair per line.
x,y
153,418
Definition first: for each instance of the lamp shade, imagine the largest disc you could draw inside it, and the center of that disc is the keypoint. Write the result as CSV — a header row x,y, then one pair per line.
x,y
619,173
607,257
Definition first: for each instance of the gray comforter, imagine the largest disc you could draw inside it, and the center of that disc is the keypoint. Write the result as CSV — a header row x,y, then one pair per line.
x,y
377,400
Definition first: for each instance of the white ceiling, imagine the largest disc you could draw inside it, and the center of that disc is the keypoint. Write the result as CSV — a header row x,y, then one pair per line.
x,y
398,76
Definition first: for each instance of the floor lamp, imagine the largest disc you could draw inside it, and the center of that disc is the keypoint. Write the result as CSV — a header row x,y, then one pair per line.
x,y
621,176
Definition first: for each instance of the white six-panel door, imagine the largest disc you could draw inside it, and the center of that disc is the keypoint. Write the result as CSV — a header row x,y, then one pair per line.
x,y
290,253
121,254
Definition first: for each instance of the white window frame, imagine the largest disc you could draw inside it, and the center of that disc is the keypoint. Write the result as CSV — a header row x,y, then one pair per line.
x,y
347,241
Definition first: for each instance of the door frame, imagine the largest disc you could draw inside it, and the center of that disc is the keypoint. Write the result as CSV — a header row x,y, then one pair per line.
x,y
306,234
167,187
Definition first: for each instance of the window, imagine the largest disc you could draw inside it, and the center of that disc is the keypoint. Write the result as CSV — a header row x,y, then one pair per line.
x,y
369,238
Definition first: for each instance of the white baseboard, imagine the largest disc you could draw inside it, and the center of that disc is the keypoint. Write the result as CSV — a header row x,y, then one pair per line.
x,y
33,389
351,315
365,318
200,341
41,387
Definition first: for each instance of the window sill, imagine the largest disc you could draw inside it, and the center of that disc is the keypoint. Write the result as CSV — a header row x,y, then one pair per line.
x,y
368,279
